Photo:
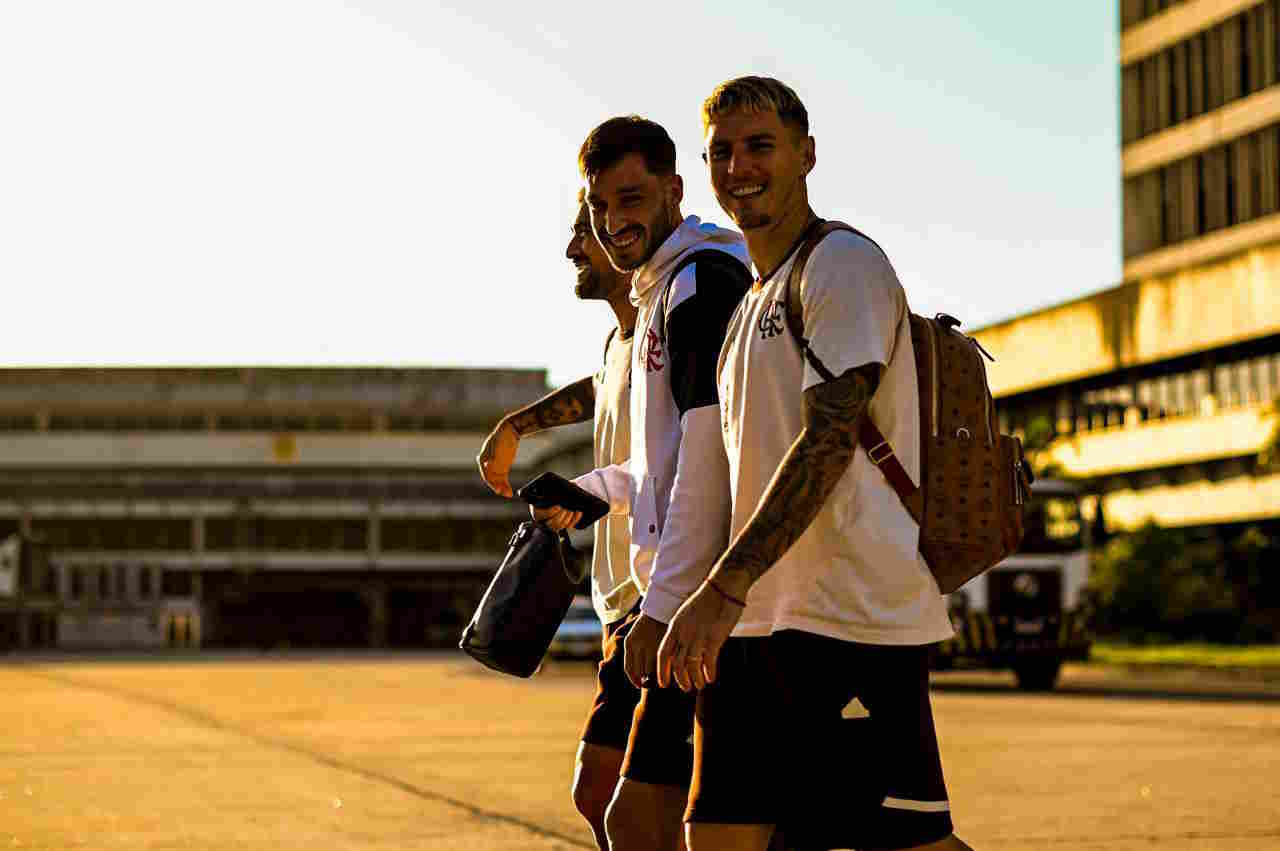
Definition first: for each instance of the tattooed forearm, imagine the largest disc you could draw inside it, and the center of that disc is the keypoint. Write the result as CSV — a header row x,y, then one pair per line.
x,y
574,403
807,475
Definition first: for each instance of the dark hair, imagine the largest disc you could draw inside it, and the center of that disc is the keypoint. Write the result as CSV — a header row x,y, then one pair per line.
x,y
629,134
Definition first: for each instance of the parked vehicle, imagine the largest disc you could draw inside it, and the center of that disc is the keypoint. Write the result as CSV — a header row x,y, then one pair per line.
x,y
579,635
1028,613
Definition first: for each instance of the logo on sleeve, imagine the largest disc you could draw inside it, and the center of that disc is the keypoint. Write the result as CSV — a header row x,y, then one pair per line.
x,y
651,351
772,320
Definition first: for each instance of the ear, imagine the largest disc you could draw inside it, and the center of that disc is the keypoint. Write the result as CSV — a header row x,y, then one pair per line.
x,y
810,155
675,190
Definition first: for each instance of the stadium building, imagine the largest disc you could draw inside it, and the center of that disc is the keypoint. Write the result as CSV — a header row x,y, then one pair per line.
x,y
1160,393
259,507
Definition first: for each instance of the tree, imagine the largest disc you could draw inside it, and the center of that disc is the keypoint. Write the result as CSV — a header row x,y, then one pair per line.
x,y
1039,435
1156,584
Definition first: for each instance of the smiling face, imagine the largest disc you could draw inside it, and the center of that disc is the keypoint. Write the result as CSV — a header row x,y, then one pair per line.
x,y
596,276
758,167
633,210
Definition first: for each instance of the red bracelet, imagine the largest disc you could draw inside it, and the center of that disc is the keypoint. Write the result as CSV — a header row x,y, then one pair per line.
x,y
725,594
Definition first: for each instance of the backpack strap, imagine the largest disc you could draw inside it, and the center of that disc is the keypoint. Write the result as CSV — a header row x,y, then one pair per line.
x,y
791,296
608,341
870,438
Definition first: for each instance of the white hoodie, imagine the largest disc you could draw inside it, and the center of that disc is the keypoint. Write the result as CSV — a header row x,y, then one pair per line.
x,y
676,484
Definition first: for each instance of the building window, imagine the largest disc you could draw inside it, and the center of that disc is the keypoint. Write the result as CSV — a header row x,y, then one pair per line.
x,y
1202,72
1231,184
176,583
144,583
1263,378
311,533
1065,421
17,422
1252,156
1245,54
1224,382
115,533
1170,218
1200,390
1248,391
1201,198
220,533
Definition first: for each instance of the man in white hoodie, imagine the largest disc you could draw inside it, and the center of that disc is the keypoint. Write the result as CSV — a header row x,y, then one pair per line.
x,y
687,279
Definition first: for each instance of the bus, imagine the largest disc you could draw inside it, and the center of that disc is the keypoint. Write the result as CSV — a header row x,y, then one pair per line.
x,y
1029,612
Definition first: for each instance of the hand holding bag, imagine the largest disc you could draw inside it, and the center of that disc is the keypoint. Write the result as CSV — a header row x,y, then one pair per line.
x,y
525,604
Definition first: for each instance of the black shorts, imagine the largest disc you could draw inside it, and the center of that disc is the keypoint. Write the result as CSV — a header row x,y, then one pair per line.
x,y
769,747
661,745
609,721
654,726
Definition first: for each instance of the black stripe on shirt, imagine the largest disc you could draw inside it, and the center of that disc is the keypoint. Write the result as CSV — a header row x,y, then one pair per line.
x,y
696,329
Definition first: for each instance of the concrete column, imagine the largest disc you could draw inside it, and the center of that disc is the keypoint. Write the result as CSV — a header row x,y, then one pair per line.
x,y
24,630
131,584
376,598
1132,413
1210,366
373,539
196,627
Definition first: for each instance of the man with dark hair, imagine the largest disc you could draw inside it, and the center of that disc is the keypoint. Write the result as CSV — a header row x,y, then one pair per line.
x,y
822,596
613,593
686,280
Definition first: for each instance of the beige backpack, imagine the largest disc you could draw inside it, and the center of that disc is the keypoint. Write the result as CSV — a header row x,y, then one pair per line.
x,y
974,482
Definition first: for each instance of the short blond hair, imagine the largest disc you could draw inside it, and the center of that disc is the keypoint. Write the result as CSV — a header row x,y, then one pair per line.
x,y
756,94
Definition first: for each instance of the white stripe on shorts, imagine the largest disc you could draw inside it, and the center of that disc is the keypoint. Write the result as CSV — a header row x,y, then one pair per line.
x,y
917,806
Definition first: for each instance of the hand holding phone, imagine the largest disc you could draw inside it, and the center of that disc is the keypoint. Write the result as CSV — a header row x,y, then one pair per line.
x,y
549,490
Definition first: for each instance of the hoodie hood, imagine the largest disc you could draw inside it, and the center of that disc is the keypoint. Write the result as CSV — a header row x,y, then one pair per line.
x,y
692,234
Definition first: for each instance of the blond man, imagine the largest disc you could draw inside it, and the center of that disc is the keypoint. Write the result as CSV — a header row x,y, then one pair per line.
x,y
821,596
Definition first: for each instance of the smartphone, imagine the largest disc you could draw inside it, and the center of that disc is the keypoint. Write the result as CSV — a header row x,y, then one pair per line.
x,y
550,489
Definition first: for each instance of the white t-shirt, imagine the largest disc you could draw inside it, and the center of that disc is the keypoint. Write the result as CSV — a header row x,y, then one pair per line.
x,y
613,590
856,573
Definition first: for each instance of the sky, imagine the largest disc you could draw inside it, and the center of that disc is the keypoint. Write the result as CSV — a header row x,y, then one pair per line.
x,y
283,182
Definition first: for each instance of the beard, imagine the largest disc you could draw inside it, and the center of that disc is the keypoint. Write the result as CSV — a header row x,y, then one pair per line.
x,y
745,216
655,232
589,285
752,219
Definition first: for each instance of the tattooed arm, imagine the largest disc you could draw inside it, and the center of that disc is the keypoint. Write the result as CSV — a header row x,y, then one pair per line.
x,y
574,403
817,459
808,474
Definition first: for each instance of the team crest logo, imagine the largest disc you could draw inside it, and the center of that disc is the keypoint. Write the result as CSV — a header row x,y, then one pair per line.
x,y
651,351
771,321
